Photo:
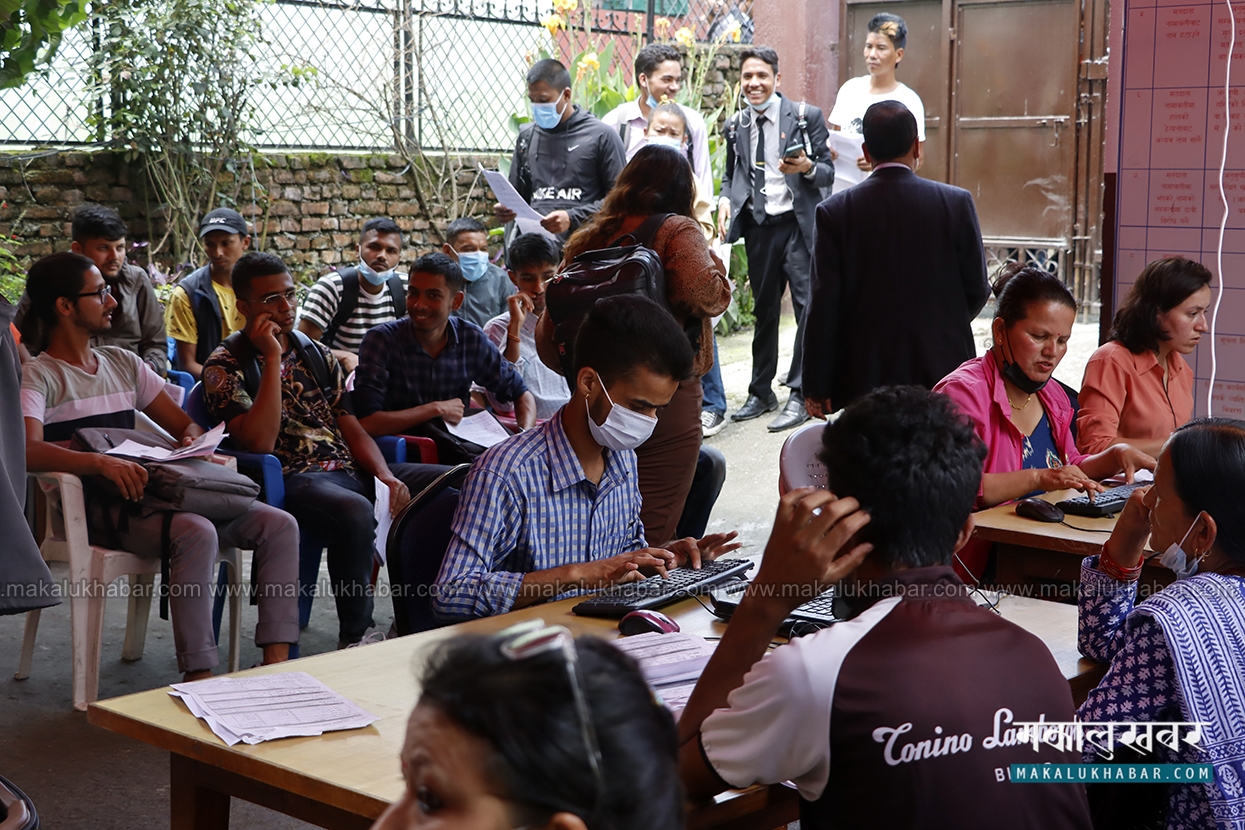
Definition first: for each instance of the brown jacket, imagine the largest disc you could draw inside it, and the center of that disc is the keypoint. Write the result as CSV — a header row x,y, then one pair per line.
x,y
695,281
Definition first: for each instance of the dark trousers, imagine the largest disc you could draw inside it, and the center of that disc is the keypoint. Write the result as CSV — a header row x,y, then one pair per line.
x,y
337,506
706,486
778,256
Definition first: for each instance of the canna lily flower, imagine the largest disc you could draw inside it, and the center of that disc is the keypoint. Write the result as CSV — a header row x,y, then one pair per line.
x,y
684,37
553,23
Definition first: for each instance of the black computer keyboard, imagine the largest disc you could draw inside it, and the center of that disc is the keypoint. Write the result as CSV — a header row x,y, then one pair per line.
x,y
1107,503
812,616
655,592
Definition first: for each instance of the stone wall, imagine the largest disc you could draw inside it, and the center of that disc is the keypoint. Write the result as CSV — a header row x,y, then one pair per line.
x,y
308,207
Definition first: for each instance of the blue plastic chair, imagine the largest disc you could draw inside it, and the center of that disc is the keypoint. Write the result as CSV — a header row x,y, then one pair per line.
x,y
266,469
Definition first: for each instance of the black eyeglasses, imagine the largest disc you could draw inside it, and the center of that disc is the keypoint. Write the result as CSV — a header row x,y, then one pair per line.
x,y
271,299
101,294
528,639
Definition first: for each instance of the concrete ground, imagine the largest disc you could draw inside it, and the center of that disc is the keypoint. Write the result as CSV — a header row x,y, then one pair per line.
x,y
80,776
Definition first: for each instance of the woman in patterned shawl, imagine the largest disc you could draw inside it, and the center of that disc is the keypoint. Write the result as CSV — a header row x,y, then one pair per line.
x,y
1177,656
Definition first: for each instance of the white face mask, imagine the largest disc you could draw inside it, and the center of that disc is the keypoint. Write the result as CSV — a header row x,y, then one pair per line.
x,y
1175,558
667,141
624,429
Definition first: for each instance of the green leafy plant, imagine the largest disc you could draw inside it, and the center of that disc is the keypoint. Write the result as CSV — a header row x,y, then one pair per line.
x,y
12,275
31,32
177,74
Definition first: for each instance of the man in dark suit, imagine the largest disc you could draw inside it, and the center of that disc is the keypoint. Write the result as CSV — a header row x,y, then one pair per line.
x,y
776,163
898,274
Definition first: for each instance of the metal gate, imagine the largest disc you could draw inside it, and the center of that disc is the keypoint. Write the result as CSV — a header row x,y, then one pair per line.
x,y
1011,89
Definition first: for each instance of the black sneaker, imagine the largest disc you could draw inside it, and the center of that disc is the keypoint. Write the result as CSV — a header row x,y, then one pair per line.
x,y
711,422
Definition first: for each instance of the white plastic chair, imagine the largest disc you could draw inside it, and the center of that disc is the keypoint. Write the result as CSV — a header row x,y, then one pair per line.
x,y
798,464
91,570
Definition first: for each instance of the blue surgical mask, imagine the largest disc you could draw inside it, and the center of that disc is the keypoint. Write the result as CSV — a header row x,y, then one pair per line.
x,y
1175,558
371,276
473,264
762,106
624,429
546,116
666,141
652,102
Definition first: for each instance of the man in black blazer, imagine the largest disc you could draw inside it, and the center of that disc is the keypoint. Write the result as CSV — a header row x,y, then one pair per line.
x,y
899,273
777,161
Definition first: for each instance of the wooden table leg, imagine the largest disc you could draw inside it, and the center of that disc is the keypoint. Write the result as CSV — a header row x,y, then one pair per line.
x,y
192,805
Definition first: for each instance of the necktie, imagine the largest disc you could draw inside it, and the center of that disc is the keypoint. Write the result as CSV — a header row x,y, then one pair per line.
x,y
758,173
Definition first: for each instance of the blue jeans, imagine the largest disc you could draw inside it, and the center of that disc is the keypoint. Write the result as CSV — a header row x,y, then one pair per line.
x,y
715,390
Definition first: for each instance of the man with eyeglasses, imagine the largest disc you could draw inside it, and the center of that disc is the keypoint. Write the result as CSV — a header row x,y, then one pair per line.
x,y
280,392
72,385
138,320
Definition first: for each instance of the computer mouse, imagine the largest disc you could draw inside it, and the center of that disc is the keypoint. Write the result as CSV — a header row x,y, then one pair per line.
x,y
642,622
1039,509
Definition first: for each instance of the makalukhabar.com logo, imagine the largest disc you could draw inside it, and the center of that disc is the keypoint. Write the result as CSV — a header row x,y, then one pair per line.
x,y
1111,773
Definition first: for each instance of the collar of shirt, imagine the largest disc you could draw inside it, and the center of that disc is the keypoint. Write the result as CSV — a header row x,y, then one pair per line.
x,y
1148,361
887,164
451,332
564,467
632,114
770,110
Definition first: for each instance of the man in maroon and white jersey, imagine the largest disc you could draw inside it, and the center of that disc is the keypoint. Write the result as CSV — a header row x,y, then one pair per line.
x,y
903,715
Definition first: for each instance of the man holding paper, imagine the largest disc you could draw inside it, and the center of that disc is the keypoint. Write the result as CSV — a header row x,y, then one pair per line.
x,y
565,161
415,374
71,385
283,393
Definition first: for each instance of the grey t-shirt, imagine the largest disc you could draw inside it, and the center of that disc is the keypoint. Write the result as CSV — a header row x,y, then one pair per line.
x,y
486,297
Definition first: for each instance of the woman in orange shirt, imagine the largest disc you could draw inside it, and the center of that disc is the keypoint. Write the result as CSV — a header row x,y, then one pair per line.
x,y
1138,387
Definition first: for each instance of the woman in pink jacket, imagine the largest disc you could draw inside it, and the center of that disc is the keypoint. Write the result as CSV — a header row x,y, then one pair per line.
x,y
1024,421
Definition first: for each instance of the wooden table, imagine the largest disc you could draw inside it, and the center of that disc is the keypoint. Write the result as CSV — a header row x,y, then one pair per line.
x,y
347,779
1045,557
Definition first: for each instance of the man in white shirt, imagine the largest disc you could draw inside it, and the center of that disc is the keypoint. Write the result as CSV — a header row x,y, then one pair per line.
x,y
658,74
534,259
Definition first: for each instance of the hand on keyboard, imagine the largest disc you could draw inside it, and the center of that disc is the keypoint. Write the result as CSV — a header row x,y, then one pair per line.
x,y
1067,477
690,552
625,567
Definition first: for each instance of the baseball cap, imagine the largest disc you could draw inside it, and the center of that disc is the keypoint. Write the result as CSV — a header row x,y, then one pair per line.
x,y
223,219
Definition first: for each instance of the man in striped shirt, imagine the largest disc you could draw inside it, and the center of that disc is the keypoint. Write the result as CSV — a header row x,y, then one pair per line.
x,y
344,305
556,509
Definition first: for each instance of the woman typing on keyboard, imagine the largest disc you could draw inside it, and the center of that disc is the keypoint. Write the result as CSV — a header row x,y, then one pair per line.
x,y
1024,420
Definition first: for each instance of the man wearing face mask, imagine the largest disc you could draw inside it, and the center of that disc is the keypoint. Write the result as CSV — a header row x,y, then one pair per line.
x,y
777,162
486,288
659,74
566,160
556,510
344,305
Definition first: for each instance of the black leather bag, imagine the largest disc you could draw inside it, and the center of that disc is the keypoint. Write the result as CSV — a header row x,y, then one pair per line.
x,y
632,268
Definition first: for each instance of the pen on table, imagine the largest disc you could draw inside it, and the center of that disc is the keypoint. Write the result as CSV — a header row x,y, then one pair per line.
x,y
109,440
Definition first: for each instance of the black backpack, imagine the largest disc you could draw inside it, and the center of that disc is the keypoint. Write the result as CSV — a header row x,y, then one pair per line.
x,y
607,272
312,357
350,301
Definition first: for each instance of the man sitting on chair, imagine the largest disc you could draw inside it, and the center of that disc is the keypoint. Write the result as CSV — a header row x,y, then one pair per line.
x,y
283,393
71,385
557,509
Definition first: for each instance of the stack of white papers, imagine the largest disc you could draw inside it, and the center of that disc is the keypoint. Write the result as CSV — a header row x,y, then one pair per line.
x,y
205,444
255,709
671,663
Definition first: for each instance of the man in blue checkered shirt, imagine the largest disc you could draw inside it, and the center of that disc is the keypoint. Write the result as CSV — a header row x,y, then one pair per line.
x,y
415,374
556,510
